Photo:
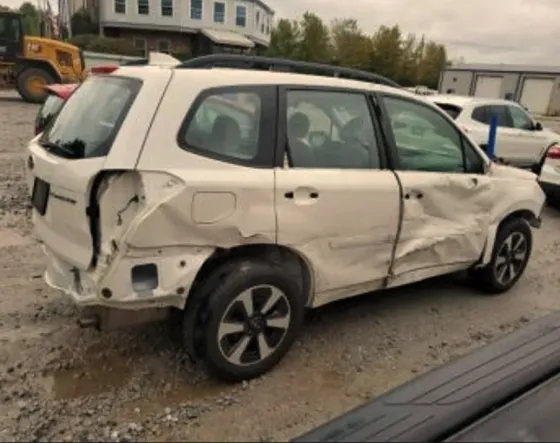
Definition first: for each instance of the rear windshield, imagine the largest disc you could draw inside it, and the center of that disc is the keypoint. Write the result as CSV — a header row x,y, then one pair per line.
x,y
452,110
89,122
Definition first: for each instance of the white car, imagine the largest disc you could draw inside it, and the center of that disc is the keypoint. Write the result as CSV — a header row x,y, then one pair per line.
x,y
520,139
241,197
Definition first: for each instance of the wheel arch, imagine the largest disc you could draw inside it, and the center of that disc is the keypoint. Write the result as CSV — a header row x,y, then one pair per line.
x,y
528,215
45,65
269,252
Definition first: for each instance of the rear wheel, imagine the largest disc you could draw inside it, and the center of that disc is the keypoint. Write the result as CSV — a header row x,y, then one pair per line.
x,y
511,253
249,320
31,82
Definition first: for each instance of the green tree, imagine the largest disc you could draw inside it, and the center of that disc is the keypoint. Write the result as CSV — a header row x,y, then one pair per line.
x,y
314,43
284,39
31,18
433,62
387,51
350,46
83,23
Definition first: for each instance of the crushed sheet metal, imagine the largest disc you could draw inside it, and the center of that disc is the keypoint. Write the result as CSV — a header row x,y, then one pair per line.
x,y
445,220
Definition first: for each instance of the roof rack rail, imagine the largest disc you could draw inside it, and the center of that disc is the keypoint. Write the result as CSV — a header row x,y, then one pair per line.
x,y
278,64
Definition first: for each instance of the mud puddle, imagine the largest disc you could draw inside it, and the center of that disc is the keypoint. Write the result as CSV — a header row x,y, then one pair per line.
x,y
167,381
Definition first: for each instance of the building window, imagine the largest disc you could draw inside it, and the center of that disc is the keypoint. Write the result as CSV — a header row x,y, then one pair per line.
x,y
120,6
141,46
219,12
258,19
241,16
262,28
164,46
196,9
167,8
143,7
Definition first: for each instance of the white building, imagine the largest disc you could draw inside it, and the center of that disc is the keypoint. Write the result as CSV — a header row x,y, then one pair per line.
x,y
188,27
535,87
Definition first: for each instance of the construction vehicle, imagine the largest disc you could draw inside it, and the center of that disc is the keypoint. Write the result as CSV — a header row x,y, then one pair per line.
x,y
29,63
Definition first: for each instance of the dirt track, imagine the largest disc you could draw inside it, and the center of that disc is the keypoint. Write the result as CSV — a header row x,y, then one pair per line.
x,y
60,382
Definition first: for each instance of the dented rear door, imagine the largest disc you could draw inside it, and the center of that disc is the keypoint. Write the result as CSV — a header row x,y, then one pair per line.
x,y
101,127
446,196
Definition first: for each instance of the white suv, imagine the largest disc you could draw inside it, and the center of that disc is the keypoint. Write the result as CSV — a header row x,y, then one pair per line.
x,y
520,140
241,198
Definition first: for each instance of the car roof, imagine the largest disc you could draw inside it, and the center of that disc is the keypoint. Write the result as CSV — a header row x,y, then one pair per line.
x,y
216,77
463,100
62,90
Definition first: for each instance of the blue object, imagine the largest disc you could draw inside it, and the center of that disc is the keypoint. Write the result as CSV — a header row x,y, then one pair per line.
x,y
491,150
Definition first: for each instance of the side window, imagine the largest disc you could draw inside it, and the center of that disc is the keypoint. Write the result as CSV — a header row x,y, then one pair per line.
x,y
520,119
225,125
500,112
484,114
330,130
426,141
479,115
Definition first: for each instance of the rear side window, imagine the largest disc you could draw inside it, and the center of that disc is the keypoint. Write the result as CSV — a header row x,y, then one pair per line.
x,y
452,110
89,122
484,114
231,125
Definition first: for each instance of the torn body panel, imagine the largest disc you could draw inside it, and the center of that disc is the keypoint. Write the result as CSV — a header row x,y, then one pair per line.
x,y
156,220
444,223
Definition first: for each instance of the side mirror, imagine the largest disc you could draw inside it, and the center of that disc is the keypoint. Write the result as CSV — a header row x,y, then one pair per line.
x,y
538,126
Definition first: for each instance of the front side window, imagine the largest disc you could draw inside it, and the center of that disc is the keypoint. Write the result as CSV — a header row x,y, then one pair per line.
x,y
167,8
241,16
196,9
520,119
427,141
120,6
330,130
91,118
225,125
143,7
219,12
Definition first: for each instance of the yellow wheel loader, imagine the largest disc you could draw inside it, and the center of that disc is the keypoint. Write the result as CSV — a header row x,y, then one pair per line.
x,y
30,63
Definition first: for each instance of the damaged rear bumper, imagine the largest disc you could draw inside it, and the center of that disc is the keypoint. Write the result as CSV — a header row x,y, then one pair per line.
x,y
130,282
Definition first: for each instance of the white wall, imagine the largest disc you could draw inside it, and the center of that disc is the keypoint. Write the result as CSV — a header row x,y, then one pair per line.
x,y
181,19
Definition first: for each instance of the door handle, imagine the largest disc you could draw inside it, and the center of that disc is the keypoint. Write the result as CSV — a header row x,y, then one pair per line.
x,y
290,195
414,194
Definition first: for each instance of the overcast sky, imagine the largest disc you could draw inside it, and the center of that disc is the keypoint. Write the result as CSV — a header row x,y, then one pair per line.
x,y
496,31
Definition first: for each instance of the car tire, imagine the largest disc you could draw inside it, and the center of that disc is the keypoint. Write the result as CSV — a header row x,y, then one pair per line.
x,y
244,319
510,255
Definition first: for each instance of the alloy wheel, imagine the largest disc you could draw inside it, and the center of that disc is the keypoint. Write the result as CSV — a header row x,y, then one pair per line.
x,y
254,325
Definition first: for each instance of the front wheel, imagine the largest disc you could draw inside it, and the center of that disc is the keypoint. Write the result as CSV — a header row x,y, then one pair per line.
x,y
511,253
31,82
250,320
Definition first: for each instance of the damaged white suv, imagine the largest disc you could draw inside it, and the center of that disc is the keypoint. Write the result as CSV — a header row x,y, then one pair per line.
x,y
242,197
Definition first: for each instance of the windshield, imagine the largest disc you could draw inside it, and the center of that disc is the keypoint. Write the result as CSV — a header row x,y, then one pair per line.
x,y
88,123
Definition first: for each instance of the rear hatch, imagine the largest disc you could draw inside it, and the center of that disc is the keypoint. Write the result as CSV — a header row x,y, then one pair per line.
x,y
102,126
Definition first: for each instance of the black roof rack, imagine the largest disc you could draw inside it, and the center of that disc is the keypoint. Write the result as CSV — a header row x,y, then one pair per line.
x,y
277,64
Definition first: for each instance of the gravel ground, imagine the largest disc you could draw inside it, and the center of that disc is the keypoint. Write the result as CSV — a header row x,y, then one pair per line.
x,y
58,382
